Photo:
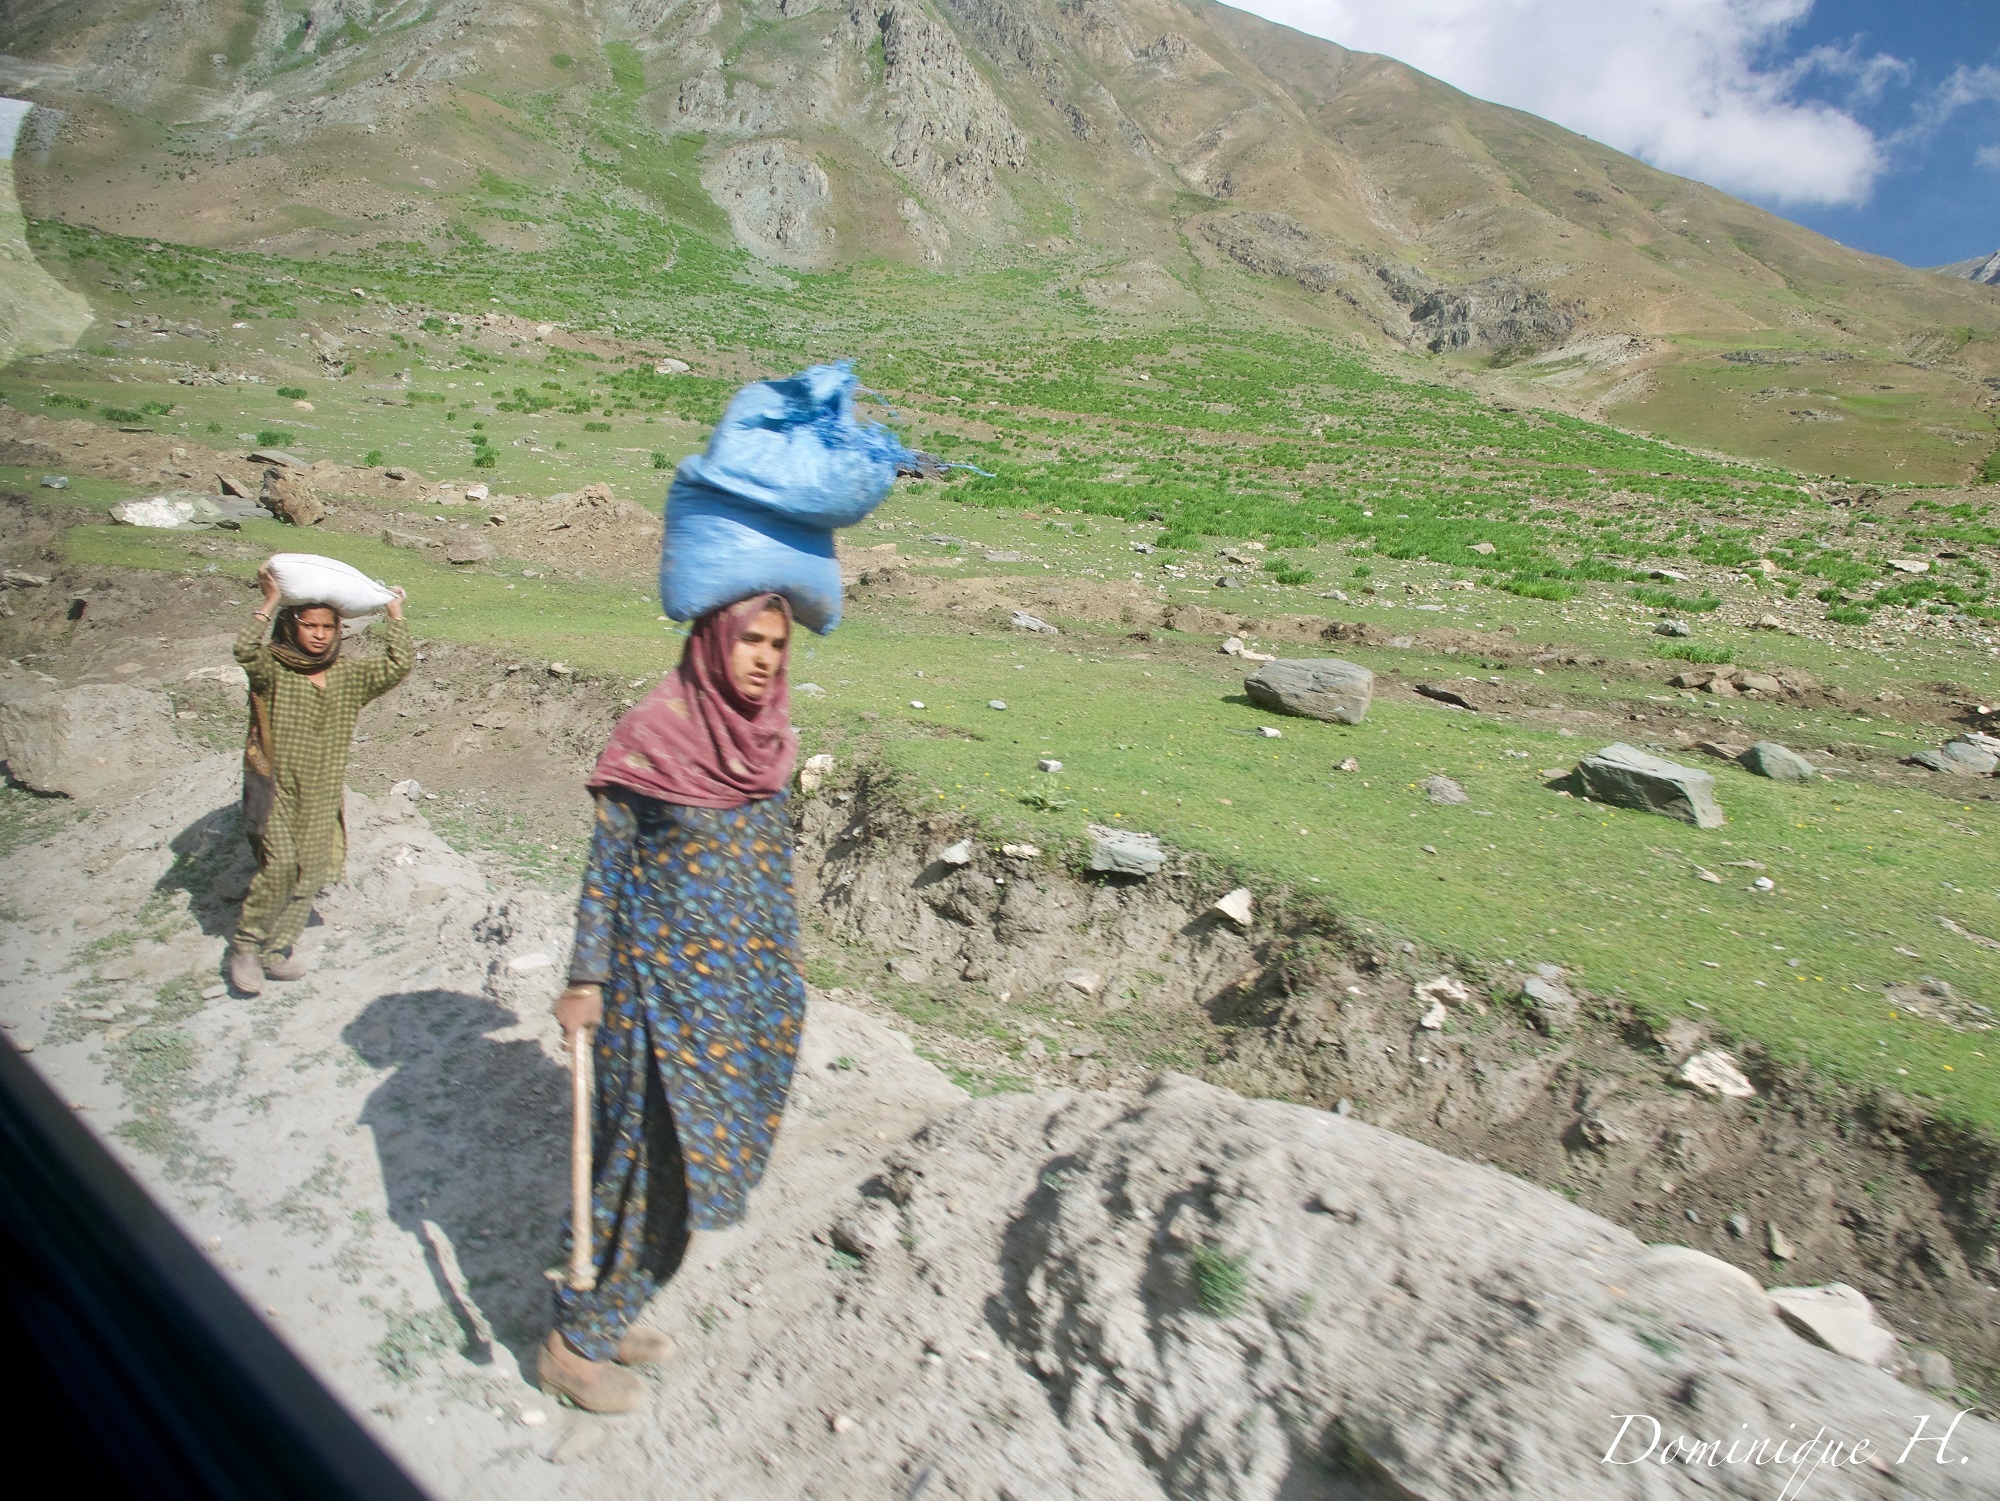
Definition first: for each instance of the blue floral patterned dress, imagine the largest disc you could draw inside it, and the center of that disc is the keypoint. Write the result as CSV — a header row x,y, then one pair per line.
x,y
687,921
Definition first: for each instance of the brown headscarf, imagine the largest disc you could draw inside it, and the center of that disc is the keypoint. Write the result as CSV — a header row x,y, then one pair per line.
x,y
285,641
695,739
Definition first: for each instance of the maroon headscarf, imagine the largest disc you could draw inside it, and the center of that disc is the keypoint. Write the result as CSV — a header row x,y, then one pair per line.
x,y
695,739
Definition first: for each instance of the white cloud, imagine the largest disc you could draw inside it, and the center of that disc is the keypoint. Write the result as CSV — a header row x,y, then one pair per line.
x,y
1685,84
1988,156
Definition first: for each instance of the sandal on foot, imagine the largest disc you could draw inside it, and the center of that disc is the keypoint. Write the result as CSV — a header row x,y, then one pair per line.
x,y
246,974
593,1385
643,1346
288,966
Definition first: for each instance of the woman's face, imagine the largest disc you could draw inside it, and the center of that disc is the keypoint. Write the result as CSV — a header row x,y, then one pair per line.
x,y
316,629
758,654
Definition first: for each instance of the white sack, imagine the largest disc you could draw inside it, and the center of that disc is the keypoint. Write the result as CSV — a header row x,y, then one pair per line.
x,y
305,578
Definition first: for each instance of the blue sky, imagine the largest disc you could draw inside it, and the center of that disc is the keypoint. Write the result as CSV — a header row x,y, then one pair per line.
x,y
1876,123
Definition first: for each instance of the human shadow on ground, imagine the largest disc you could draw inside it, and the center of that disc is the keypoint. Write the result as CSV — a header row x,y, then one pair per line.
x,y
472,1135
213,864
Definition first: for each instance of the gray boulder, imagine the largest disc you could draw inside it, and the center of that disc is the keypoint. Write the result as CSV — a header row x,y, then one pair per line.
x,y
1626,777
1318,688
88,740
1187,1294
1969,755
1767,758
468,547
1125,852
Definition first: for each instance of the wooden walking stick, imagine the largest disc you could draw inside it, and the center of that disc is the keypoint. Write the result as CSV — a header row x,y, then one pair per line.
x,y
582,1232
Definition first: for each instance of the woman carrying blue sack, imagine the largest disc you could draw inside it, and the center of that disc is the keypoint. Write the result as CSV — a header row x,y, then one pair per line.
x,y
685,961
684,966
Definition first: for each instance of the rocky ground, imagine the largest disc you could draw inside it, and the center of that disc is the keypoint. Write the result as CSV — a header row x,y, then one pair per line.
x,y
1144,1289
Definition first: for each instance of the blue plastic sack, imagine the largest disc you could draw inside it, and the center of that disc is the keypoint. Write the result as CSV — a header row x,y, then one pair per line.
x,y
756,513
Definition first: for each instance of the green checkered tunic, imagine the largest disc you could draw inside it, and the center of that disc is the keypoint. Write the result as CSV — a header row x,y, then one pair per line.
x,y
305,846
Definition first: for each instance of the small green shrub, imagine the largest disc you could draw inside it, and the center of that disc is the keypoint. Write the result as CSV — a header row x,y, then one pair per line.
x,y
486,460
1044,801
58,399
1221,1281
1666,599
1848,615
597,427
1285,571
122,414
271,437
292,393
659,459
1694,651
562,60
1547,589
374,459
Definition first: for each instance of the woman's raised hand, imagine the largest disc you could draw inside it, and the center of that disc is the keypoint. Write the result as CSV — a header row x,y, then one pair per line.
x,y
580,1006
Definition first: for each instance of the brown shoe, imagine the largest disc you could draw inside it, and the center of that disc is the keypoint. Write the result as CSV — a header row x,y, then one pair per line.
x,y
643,1346
593,1385
246,974
289,966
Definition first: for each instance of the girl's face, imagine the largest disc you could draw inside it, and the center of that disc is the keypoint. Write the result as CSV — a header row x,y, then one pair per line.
x,y
316,629
758,654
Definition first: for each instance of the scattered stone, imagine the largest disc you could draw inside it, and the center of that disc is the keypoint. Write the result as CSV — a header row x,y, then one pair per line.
x,y
1007,557
1048,764
1739,1226
996,703
957,854
1142,547
232,488
909,971
409,787
55,482
1767,758
167,512
1627,777
1484,549
1769,623
1323,688
1023,621
561,670
86,740
1672,628
1021,851
1226,582
1934,1370
1086,981
278,457
1232,646
1350,764
1550,1003
1433,1019
1235,906
1837,1317
1125,851
15,578
1442,789
1269,732
1764,883
810,690
468,547
1910,565
582,1439
1759,682
1668,575
1776,1243
1968,755
867,1232
527,964
668,366
1714,1072
480,492
814,772
214,992
1707,875
1443,988
289,496
916,703
1442,695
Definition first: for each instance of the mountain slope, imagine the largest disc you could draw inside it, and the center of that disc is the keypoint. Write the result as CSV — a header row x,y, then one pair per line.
x,y
1155,158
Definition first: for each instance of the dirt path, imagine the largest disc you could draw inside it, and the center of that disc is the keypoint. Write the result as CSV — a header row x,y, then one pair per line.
x,y
377,1154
